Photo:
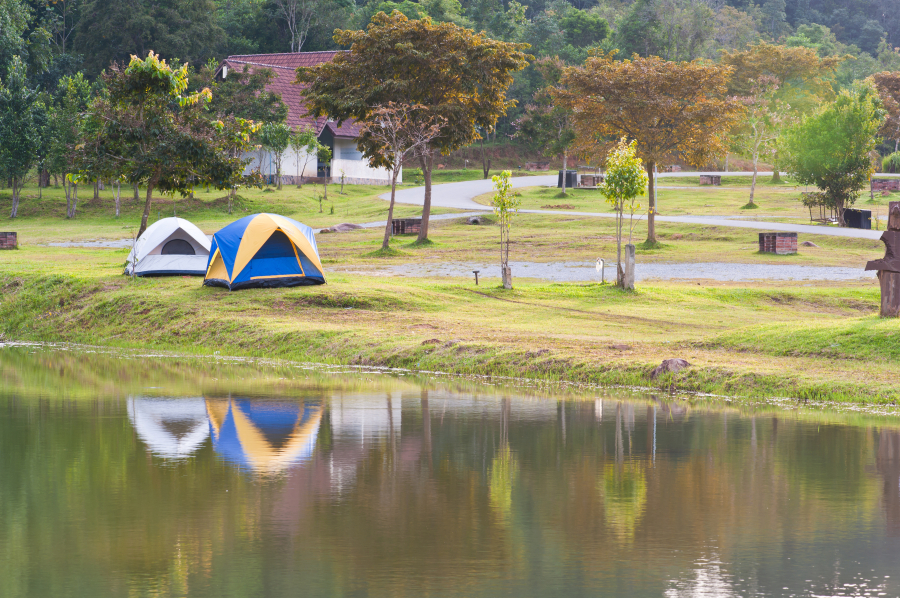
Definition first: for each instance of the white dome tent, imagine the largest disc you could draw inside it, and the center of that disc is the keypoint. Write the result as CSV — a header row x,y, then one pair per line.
x,y
169,246
171,428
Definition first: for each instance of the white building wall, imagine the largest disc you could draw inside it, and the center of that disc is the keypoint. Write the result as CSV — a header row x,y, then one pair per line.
x,y
346,158
349,160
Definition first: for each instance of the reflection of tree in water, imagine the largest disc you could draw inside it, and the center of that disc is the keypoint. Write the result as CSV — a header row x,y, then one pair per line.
x,y
624,492
504,469
504,473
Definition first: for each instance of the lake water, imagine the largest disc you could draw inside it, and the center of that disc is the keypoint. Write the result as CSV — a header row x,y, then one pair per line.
x,y
161,476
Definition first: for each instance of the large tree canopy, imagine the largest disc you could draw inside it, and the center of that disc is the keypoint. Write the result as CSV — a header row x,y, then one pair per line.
x,y
149,130
454,73
113,30
831,148
671,109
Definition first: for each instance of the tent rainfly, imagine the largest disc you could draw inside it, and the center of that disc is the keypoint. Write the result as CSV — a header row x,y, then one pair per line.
x,y
169,246
264,250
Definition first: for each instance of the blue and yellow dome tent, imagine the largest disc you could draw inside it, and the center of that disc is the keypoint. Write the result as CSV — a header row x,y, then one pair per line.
x,y
264,250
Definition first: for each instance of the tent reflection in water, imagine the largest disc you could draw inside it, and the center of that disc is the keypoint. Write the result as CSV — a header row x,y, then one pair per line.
x,y
171,428
265,436
171,246
264,250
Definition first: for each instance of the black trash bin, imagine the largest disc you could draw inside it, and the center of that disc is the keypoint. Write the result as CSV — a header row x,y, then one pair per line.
x,y
571,179
858,218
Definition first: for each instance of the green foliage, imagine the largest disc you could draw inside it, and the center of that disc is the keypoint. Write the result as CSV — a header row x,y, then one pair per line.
x,y
506,202
112,31
276,138
625,180
241,93
830,149
22,120
455,73
891,163
148,130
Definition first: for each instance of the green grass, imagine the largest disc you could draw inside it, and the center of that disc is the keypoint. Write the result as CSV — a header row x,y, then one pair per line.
x,y
43,220
823,342
775,203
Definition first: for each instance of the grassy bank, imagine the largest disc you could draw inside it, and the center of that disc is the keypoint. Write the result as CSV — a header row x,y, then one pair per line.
x,y
740,341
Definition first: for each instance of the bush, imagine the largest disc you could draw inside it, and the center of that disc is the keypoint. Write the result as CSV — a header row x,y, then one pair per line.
x,y
891,163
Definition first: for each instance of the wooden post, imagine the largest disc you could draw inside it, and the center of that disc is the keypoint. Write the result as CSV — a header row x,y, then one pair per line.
x,y
890,293
628,280
889,267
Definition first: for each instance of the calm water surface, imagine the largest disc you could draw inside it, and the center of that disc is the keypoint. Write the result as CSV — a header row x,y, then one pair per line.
x,y
147,476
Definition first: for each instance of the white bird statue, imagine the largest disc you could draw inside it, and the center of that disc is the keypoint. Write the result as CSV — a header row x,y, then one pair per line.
x,y
600,266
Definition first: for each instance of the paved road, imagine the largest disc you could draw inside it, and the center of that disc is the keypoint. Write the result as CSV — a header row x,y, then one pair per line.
x,y
460,196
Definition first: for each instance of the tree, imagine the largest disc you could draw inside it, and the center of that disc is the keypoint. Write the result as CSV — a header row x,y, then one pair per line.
x,y
324,156
670,108
67,125
242,93
804,78
506,202
306,147
762,123
831,148
671,29
401,131
888,86
455,73
61,16
547,123
112,30
625,181
297,15
21,118
275,138
150,131
13,23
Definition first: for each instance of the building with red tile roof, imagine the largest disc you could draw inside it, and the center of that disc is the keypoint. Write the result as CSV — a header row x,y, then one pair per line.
x,y
347,161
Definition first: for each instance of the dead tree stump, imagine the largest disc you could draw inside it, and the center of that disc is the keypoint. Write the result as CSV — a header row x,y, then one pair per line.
x,y
889,267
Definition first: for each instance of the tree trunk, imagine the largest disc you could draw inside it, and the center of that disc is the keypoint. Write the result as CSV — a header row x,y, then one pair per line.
x,y
427,164
565,172
485,164
15,198
776,176
137,192
753,180
118,198
68,189
651,201
388,228
74,206
278,173
150,184
97,190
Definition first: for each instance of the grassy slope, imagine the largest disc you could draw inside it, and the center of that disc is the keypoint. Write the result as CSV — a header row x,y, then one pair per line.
x,y
818,341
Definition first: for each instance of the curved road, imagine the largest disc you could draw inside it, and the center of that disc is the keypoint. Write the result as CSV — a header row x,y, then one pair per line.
x,y
460,196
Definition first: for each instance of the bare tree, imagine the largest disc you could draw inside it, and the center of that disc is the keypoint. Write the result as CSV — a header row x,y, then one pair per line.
x,y
400,131
298,15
